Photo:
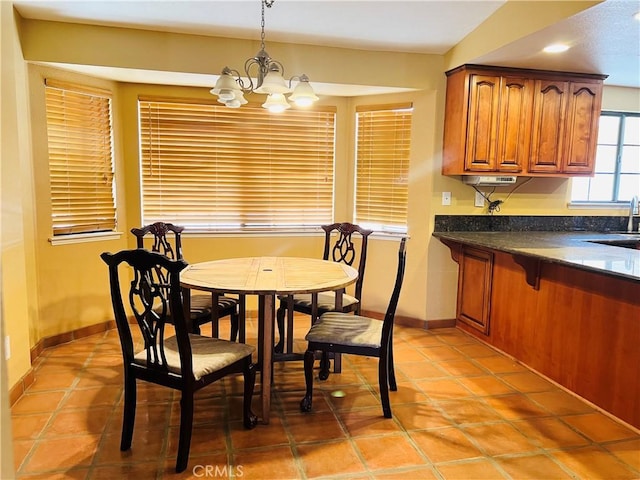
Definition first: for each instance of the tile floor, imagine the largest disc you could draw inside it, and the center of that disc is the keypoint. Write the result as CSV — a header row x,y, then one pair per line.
x,y
462,411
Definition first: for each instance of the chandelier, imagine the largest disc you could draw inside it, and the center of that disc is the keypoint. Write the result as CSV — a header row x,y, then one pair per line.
x,y
269,79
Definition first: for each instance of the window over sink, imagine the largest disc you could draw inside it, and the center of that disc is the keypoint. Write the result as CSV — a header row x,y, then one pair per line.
x,y
617,170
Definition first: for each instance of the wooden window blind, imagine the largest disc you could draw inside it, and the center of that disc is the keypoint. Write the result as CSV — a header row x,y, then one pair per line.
x,y
211,168
80,146
383,137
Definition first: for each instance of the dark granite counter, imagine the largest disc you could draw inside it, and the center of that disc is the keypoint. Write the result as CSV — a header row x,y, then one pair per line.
x,y
576,249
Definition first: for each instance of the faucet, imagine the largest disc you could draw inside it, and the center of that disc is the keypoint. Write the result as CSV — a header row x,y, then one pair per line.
x,y
633,209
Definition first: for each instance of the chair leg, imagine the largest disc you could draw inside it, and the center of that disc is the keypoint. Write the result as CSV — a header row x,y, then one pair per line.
x,y
324,366
305,403
280,313
196,327
383,381
337,362
242,318
250,420
234,327
129,416
391,369
186,427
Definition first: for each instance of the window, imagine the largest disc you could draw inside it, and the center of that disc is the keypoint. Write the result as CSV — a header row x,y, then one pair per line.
x,y
211,168
383,145
80,158
617,172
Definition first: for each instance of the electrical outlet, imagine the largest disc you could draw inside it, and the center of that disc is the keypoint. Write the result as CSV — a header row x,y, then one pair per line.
x,y
7,348
479,200
446,198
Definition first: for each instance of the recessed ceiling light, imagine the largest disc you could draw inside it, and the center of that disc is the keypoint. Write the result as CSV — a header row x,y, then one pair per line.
x,y
637,16
556,48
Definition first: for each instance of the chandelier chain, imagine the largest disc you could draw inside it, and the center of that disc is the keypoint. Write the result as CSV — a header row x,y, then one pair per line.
x,y
268,4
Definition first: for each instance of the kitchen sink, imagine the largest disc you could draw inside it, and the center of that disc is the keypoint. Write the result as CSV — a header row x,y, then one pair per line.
x,y
624,243
634,234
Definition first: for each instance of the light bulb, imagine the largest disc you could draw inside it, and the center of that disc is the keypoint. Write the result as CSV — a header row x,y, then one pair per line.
x,y
226,94
276,103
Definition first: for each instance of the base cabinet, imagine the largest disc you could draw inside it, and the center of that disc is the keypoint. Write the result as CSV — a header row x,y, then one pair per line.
x,y
474,288
579,328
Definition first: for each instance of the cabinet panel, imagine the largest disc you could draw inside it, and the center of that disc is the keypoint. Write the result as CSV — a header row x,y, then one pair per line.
x,y
582,127
547,131
474,288
514,127
482,122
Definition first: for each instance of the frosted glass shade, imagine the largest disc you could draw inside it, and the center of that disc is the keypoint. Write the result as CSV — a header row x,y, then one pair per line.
x,y
276,103
273,82
303,95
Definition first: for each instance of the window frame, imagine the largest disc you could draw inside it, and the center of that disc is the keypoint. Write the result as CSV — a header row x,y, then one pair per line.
x,y
81,161
615,202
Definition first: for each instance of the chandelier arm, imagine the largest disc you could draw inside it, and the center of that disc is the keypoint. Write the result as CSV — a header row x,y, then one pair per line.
x,y
262,71
238,78
299,78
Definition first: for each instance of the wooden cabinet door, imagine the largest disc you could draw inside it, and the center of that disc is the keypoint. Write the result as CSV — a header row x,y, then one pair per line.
x,y
514,128
482,123
548,126
474,288
581,137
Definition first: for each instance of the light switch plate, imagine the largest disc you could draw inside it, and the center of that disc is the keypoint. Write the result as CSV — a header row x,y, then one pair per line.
x,y
446,198
479,200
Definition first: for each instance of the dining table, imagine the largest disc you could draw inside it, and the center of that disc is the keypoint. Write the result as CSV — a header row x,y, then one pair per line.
x,y
267,277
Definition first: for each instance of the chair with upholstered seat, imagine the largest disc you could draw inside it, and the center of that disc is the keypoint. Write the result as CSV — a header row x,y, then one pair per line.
x,y
338,332
183,361
339,246
200,304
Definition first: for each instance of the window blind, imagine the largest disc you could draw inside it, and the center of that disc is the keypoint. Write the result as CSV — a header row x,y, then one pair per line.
x,y
383,145
211,168
80,158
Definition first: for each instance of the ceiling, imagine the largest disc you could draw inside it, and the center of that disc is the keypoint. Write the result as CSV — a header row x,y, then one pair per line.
x,y
604,38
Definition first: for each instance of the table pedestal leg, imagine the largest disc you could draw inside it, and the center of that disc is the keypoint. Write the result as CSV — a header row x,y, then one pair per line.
x,y
267,351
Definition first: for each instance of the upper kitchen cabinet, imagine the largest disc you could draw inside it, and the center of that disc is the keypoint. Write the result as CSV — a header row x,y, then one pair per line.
x,y
565,126
520,122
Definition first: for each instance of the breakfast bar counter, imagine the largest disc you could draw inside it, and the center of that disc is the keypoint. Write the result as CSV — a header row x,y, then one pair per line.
x,y
581,250
558,302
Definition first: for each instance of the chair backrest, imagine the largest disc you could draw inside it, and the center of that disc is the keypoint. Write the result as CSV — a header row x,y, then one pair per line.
x,y
153,292
162,243
343,248
387,327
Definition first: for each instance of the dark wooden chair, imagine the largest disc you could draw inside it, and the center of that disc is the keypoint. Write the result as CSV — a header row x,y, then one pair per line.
x,y
338,332
339,246
183,361
201,304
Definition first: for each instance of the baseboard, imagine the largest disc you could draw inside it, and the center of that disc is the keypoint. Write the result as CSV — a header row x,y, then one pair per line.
x,y
66,337
414,322
21,386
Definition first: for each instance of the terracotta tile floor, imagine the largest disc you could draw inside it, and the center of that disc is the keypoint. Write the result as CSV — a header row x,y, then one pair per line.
x,y
462,411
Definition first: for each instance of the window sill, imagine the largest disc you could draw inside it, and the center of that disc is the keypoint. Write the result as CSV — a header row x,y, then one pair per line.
x,y
84,238
598,205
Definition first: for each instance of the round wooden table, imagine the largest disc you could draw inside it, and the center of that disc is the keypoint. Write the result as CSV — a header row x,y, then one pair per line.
x,y
268,277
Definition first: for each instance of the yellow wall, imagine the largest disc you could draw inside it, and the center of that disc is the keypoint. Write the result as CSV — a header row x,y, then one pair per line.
x,y
19,300
59,288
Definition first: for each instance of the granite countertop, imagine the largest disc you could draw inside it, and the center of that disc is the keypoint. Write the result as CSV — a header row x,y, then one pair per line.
x,y
570,248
